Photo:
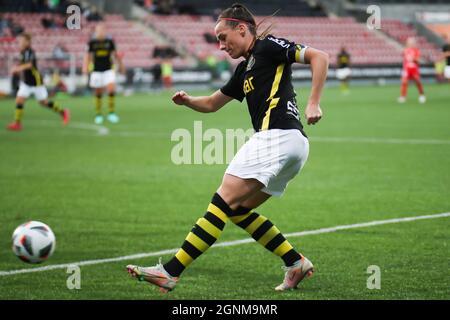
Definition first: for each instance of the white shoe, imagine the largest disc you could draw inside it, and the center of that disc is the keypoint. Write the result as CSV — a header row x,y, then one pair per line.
x,y
98,119
422,99
401,99
156,275
303,268
113,118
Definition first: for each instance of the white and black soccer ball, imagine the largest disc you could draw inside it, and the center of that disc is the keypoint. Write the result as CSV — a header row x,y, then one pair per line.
x,y
33,242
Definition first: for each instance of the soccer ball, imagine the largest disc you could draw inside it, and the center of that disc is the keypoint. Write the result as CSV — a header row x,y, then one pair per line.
x,y
33,242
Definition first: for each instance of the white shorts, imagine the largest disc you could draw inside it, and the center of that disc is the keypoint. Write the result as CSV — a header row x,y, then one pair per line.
x,y
100,79
273,157
343,73
447,72
39,92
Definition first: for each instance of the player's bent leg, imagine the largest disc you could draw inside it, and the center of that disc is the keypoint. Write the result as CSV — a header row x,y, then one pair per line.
x,y
261,229
235,190
203,235
17,124
52,105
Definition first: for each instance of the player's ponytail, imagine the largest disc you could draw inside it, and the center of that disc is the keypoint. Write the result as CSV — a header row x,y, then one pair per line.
x,y
238,13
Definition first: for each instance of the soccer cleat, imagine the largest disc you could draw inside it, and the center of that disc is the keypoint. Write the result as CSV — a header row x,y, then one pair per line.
x,y
113,118
66,116
98,119
422,99
156,275
401,99
15,126
296,273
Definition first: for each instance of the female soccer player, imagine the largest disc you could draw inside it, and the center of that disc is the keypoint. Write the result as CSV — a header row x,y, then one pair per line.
x,y
268,161
101,53
31,83
411,56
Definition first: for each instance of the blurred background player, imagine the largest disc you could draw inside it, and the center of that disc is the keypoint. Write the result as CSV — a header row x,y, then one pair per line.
x,y
411,56
343,71
101,51
446,57
167,73
31,83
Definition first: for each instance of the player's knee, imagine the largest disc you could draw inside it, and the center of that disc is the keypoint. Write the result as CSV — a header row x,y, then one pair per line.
x,y
232,195
20,100
240,211
229,198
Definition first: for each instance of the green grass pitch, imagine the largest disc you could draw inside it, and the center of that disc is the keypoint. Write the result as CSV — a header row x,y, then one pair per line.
x,y
116,194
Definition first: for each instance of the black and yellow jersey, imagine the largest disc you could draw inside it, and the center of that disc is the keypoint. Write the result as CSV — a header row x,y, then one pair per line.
x,y
343,59
265,80
31,77
102,51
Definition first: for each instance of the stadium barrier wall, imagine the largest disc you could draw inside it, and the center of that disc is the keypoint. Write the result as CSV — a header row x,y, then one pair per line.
x,y
141,79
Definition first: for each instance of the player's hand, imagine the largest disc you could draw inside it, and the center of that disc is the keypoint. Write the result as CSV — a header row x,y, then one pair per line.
x,y
313,113
180,98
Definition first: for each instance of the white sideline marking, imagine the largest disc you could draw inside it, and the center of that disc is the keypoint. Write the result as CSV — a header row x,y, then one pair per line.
x,y
101,130
225,244
379,140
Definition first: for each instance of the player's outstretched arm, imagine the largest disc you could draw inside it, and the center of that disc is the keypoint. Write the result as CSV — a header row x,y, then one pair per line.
x,y
21,67
203,104
319,67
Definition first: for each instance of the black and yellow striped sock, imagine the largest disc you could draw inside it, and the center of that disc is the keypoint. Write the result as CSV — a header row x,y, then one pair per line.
x,y
54,106
266,233
98,104
19,113
111,102
203,235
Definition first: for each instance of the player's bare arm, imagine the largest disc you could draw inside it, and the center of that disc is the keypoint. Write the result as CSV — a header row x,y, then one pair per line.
x,y
203,104
86,61
318,61
119,61
21,67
